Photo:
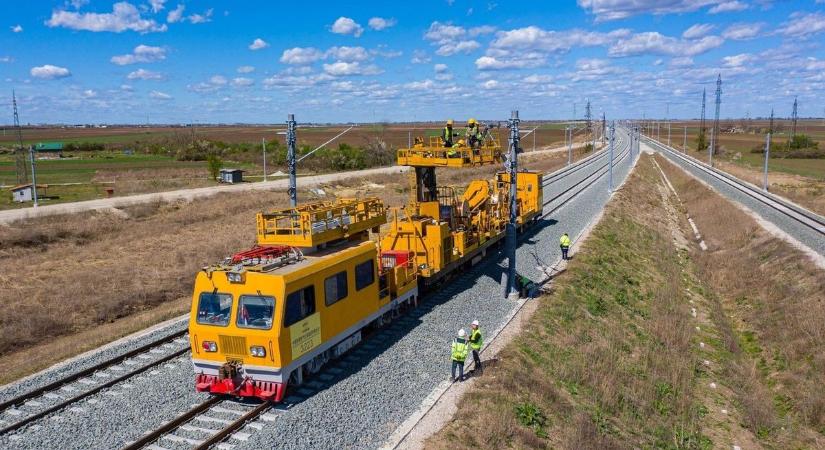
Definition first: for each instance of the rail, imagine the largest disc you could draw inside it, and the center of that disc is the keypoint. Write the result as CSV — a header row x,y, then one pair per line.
x,y
21,399
797,213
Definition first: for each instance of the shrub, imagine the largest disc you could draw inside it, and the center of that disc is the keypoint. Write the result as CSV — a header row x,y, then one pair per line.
x,y
529,415
214,164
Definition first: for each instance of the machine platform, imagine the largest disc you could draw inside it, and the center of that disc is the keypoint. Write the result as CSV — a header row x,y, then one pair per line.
x,y
459,155
313,224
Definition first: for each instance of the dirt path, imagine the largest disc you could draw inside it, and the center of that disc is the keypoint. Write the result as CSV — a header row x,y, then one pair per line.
x,y
185,194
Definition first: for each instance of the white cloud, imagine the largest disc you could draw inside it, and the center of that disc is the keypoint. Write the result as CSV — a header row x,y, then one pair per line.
x,y
802,25
6,59
737,60
218,80
50,72
291,81
698,30
451,48
606,10
490,84
246,69
156,5
683,61
258,44
520,62
742,31
380,23
301,55
424,85
728,7
443,32
126,87
658,44
535,38
176,14
420,57
242,82
537,79
16,29
141,54
201,18
341,68
440,68
157,95
89,93
143,74
124,17
347,53
77,4
345,25
483,29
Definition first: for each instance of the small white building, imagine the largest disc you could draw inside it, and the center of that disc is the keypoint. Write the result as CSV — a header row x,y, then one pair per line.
x,y
25,193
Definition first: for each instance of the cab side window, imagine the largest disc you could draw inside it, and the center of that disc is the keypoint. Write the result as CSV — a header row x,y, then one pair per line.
x,y
364,274
299,305
335,288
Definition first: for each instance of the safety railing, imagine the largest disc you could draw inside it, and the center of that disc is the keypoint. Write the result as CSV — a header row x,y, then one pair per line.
x,y
316,223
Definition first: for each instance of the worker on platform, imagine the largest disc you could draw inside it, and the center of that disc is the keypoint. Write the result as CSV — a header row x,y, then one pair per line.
x,y
447,134
473,133
476,341
458,355
564,243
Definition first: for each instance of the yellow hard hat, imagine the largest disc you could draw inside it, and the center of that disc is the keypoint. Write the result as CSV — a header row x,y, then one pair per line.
x,y
449,121
472,121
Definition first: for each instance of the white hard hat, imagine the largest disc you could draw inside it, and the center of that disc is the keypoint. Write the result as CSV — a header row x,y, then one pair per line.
x,y
475,322
462,333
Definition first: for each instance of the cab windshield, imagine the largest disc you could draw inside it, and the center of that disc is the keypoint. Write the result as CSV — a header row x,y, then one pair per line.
x,y
255,311
214,308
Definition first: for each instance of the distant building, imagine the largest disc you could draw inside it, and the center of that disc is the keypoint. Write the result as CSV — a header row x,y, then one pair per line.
x,y
25,193
231,176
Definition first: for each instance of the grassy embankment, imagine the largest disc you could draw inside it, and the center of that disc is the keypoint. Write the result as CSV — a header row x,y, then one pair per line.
x,y
74,282
647,342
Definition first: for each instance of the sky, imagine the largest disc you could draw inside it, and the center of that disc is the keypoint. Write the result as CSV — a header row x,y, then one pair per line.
x,y
199,61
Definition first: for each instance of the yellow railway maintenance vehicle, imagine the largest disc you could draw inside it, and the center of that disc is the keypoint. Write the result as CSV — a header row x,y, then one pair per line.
x,y
264,318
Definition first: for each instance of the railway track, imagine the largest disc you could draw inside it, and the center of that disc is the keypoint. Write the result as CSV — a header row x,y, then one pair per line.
x,y
798,214
195,427
24,409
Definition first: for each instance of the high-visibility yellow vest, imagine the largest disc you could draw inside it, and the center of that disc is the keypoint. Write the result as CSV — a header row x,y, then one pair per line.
x,y
472,131
564,241
459,350
476,340
447,135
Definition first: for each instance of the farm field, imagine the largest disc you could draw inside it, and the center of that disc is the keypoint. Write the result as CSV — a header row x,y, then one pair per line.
x,y
142,160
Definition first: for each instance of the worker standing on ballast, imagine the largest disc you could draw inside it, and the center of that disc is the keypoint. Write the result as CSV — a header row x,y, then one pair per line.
x,y
564,243
458,354
476,341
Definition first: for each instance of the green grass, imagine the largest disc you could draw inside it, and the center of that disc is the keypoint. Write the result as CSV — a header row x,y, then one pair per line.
x,y
811,168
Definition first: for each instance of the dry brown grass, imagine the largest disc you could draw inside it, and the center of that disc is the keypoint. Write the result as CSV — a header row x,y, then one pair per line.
x,y
771,309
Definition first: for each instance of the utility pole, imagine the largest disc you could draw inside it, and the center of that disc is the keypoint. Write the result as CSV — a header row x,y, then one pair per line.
x,y
263,143
794,118
767,153
604,128
714,136
512,163
668,133
19,152
610,177
290,157
684,144
589,124
34,175
569,146
702,120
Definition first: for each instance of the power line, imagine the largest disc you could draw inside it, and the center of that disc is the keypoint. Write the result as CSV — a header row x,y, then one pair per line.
x,y
19,153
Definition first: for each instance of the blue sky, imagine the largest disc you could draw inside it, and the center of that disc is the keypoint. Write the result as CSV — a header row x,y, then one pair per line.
x,y
169,61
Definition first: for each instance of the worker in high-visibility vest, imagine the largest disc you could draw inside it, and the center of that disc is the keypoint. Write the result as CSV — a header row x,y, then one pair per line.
x,y
564,243
447,134
476,341
472,133
458,355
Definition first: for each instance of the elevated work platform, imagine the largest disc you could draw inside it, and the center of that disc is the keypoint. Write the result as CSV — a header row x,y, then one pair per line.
x,y
313,224
459,155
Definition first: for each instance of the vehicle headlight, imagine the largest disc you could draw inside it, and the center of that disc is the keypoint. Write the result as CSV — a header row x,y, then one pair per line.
x,y
210,346
234,277
258,351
